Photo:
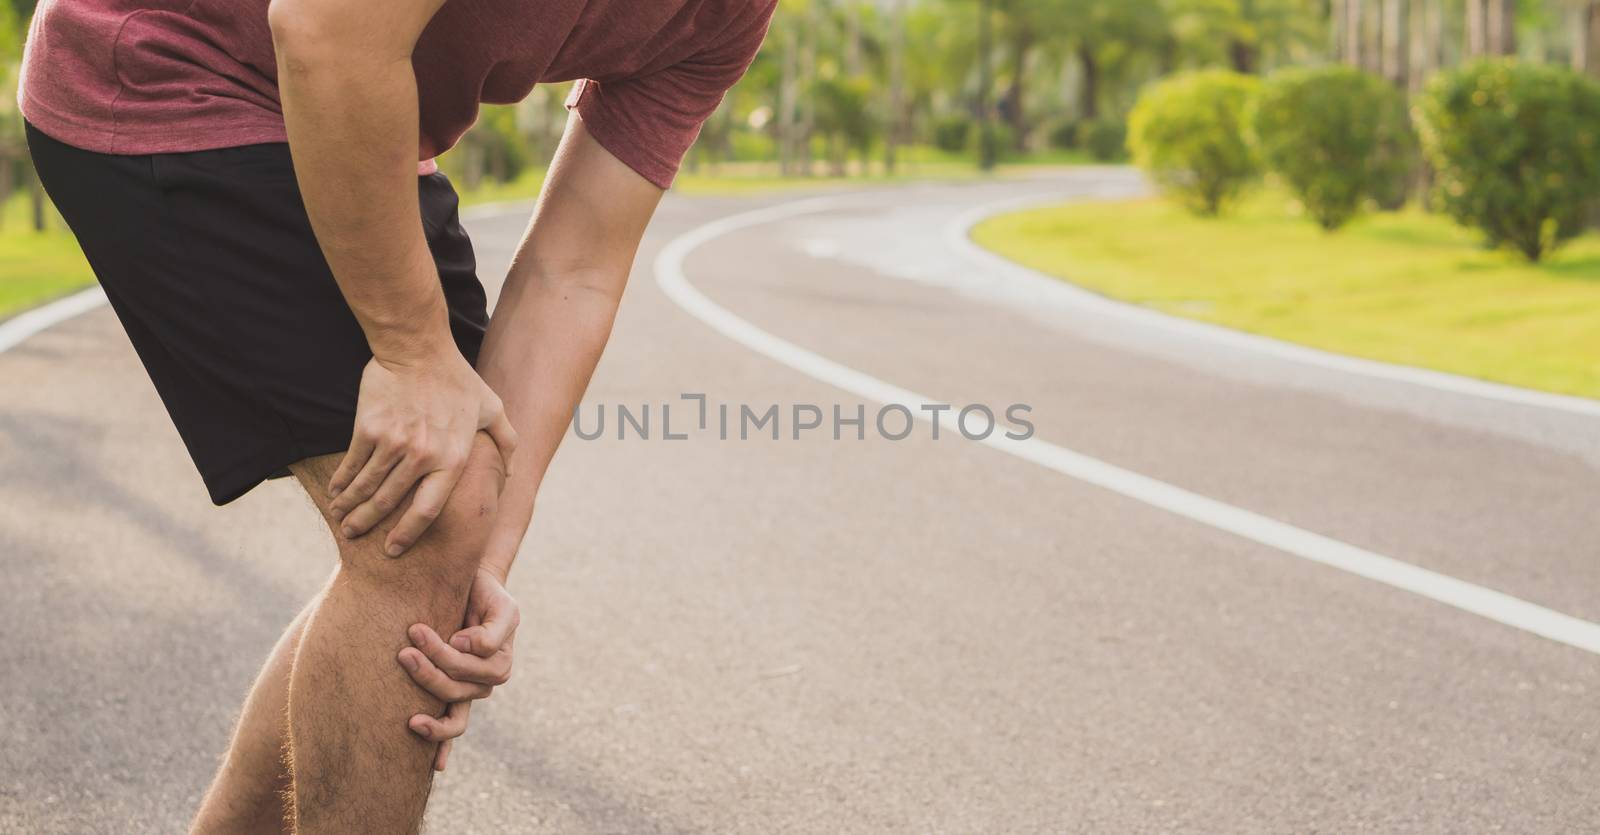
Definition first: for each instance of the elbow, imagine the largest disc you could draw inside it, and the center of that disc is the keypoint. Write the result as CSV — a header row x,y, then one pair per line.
x,y
310,32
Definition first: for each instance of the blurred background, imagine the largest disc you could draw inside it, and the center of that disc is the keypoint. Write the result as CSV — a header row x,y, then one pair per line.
x,y
1470,122
1229,586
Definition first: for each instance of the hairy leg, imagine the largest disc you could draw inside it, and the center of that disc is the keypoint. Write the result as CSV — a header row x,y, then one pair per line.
x,y
251,791
356,766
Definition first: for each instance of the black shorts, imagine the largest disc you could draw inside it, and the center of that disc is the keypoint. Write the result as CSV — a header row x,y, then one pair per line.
x,y
209,260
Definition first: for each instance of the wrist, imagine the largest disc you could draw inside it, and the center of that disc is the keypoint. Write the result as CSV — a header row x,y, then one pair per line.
x,y
420,340
500,572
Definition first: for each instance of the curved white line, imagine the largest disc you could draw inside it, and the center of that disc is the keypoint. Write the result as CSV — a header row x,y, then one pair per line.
x,y
1488,603
17,329
958,235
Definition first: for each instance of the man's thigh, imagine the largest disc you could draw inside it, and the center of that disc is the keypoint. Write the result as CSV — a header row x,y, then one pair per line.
x,y
212,265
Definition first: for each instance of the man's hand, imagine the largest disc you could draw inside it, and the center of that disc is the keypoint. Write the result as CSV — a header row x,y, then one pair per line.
x,y
415,422
475,661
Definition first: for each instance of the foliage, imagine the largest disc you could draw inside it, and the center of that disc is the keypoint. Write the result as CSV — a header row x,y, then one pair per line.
x,y
1106,140
1338,137
1517,151
844,113
1188,134
1063,135
953,134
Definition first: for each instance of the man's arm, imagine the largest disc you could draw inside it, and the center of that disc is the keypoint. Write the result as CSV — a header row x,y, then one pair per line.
x,y
556,310
350,105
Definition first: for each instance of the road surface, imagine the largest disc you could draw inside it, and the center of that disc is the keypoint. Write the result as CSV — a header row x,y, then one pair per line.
x,y
873,636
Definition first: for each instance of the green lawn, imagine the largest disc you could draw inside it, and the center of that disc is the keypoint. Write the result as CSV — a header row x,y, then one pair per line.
x,y
1408,288
36,267
738,179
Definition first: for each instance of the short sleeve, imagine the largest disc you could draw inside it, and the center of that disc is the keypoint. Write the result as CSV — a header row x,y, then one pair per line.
x,y
649,122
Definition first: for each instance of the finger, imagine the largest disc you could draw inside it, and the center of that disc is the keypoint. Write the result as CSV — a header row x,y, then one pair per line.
x,y
461,666
388,498
442,756
430,678
438,729
385,457
494,633
504,437
426,505
354,459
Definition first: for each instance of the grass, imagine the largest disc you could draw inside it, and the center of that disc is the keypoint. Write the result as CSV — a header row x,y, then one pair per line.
x,y
1408,288
741,179
36,267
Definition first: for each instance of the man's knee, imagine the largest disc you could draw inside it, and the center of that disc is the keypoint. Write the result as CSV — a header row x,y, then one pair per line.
x,y
450,550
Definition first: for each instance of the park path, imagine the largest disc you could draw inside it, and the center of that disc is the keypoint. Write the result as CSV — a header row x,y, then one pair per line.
x,y
865,636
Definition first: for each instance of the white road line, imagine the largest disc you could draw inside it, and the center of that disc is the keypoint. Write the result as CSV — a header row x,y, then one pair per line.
x,y
1494,605
958,235
20,327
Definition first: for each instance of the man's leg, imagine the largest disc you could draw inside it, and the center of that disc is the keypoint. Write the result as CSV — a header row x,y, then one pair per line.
x,y
356,765
251,793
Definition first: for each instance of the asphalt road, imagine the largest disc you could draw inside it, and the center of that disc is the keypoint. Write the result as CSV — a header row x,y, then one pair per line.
x,y
875,636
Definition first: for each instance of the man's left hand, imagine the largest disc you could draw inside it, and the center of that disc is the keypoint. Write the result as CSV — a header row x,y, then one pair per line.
x,y
476,660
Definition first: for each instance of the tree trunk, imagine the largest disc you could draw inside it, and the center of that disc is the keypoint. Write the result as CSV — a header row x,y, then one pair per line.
x,y
1016,110
897,83
8,167
986,150
1592,38
36,199
1244,57
1396,42
1477,29
788,107
852,39
1373,37
1425,45
1089,78
1502,27
808,71
1352,32
1578,30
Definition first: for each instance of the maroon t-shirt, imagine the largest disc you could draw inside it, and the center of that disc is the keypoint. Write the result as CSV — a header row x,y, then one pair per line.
x,y
160,76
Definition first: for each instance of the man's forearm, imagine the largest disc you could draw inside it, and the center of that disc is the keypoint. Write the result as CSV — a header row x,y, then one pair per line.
x,y
556,311
350,106
541,350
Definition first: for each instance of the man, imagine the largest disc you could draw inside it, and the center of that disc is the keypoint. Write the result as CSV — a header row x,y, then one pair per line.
x,y
321,317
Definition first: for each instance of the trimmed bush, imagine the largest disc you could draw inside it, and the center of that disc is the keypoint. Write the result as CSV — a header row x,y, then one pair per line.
x,y
1106,140
1516,149
1064,135
1188,134
954,134
1338,137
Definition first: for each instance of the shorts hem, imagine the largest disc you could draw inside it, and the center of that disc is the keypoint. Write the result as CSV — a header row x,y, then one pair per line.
x,y
232,484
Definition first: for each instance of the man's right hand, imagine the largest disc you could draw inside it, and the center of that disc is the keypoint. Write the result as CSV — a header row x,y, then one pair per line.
x,y
415,421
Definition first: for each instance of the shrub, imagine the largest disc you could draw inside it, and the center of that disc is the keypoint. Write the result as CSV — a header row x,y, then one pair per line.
x,y
1005,139
1064,135
1338,137
1105,139
953,134
1516,151
1188,134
